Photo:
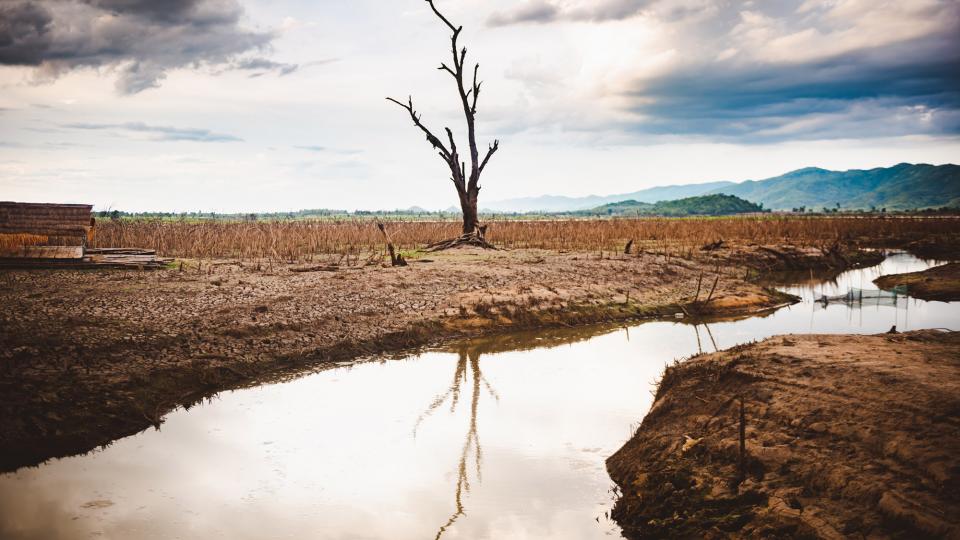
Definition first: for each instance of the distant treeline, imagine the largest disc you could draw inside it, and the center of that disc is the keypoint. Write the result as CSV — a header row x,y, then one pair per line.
x,y
709,205
270,216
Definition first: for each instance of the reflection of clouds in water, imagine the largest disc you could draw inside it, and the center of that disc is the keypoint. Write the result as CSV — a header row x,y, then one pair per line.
x,y
42,517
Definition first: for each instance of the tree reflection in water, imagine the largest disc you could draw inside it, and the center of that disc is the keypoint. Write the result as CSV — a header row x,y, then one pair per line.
x,y
468,370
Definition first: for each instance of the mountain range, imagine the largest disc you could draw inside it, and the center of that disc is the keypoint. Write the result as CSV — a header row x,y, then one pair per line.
x,y
904,186
559,203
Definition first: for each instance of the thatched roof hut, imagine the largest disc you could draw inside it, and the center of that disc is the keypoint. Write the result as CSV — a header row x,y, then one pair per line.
x,y
44,231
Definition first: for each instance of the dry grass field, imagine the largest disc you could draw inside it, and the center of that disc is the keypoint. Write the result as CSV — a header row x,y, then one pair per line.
x,y
305,240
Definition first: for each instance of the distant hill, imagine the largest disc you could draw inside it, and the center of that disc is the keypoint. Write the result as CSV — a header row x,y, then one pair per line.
x,y
903,186
705,205
556,203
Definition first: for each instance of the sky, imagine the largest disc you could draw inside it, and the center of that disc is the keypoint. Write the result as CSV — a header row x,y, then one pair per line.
x,y
276,105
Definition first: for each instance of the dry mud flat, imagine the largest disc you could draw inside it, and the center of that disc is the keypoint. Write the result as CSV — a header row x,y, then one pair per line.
x,y
845,436
939,283
90,356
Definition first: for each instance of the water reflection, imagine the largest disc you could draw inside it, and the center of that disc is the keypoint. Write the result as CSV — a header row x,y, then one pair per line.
x,y
468,364
393,449
706,327
813,286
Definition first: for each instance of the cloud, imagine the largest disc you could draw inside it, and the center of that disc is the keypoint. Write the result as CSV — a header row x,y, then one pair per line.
x,y
609,10
535,11
160,133
783,69
141,40
326,149
822,70
748,100
547,11
263,65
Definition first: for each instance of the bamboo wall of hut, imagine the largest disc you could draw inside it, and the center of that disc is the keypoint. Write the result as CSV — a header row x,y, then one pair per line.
x,y
44,231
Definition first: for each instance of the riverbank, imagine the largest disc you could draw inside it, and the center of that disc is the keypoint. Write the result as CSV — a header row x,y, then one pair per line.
x,y
89,357
940,283
845,436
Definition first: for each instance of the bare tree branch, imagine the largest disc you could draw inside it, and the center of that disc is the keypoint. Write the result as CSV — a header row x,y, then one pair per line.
x,y
416,121
476,89
492,150
453,28
444,67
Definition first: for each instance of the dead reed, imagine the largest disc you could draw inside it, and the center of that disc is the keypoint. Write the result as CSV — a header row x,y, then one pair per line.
x,y
306,240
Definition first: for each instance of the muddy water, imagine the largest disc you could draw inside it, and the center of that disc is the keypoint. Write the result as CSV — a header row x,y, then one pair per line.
x,y
503,438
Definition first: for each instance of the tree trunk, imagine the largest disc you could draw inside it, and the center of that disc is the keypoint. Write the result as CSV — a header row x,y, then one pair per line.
x,y
471,221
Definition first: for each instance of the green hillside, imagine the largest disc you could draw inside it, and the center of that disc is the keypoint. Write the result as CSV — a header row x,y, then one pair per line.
x,y
901,187
705,205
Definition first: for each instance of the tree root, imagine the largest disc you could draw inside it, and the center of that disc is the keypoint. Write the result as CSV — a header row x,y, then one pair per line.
x,y
470,239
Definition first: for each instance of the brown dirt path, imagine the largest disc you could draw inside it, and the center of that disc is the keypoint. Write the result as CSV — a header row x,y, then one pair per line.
x,y
846,437
89,356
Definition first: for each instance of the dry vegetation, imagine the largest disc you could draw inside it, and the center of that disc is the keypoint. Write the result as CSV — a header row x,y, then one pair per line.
x,y
303,240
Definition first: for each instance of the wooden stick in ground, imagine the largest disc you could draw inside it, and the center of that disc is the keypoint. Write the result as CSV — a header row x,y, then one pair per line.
x,y
699,282
395,259
714,288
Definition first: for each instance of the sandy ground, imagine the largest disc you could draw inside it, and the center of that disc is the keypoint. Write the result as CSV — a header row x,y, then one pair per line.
x,y
90,356
846,437
938,283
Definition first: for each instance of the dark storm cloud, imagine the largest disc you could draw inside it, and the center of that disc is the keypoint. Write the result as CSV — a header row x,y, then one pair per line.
x,y
170,10
159,133
142,39
894,90
24,28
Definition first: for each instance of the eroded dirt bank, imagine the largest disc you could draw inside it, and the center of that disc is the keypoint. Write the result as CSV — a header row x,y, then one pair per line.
x,y
87,357
846,437
939,283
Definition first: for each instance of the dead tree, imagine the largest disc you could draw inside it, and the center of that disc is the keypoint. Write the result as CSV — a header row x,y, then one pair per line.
x,y
466,181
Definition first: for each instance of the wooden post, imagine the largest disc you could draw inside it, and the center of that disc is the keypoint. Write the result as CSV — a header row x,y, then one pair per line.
x,y
395,259
714,288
